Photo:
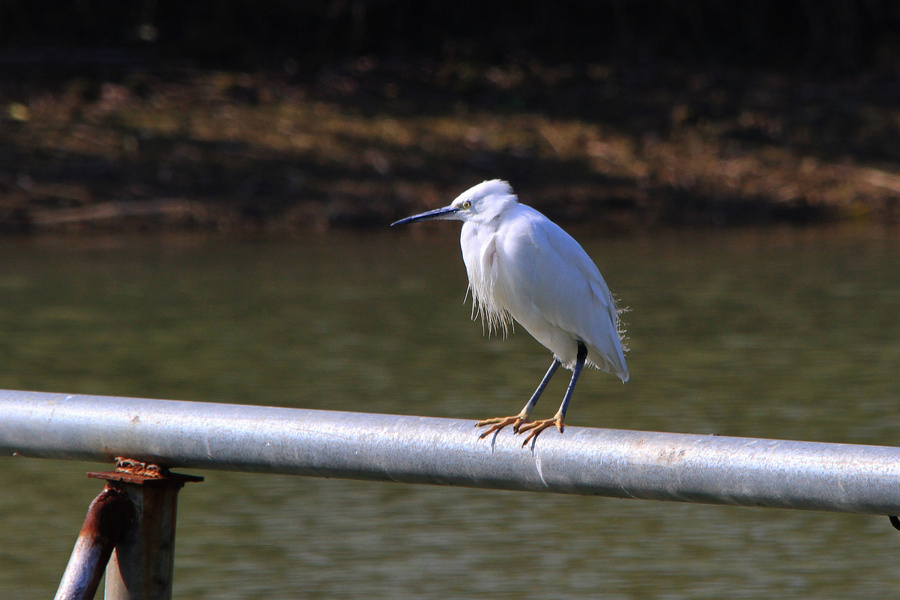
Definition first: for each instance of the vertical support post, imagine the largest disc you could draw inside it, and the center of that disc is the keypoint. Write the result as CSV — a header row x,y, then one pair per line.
x,y
142,565
107,517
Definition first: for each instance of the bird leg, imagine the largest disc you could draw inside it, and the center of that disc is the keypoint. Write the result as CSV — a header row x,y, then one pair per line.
x,y
537,427
518,420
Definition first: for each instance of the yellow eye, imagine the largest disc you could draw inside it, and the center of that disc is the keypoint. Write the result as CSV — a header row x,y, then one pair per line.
x,y
467,204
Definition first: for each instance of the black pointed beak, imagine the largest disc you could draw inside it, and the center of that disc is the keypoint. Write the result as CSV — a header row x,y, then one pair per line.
x,y
439,213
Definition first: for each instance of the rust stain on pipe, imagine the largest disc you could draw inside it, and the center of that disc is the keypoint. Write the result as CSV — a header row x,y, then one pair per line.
x,y
107,517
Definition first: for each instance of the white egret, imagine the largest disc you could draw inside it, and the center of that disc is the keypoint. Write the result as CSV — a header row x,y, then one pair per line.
x,y
523,266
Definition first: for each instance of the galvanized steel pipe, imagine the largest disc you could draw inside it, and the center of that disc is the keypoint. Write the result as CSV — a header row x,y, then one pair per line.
x,y
405,449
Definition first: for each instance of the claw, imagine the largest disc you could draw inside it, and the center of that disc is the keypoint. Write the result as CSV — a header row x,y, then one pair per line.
x,y
499,423
538,426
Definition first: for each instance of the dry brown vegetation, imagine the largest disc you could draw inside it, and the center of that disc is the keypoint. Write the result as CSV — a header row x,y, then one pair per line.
x,y
368,141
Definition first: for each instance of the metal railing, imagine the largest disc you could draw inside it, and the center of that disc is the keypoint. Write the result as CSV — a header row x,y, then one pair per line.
x,y
404,449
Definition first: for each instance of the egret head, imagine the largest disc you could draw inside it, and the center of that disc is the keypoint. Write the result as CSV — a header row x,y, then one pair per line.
x,y
480,204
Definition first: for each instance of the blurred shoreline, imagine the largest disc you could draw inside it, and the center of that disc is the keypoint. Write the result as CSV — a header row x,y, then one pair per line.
x,y
358,144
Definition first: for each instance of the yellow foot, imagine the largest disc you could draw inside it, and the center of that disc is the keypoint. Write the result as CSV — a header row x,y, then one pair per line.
x,y
538,426
499,423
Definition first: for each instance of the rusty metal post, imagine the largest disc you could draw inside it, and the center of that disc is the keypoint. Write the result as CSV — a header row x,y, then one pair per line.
x,y
142,565
107,518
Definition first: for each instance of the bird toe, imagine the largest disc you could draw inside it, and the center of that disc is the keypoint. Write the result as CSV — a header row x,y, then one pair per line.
x,y
535,428
499,423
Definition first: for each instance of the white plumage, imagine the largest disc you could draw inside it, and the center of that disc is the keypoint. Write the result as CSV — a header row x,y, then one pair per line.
x,y
523,266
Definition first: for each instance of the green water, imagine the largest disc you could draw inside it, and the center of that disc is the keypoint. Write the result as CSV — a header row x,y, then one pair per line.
x,y
778,333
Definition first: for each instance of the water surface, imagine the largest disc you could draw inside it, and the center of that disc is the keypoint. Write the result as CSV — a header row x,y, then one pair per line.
x,y
779,333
